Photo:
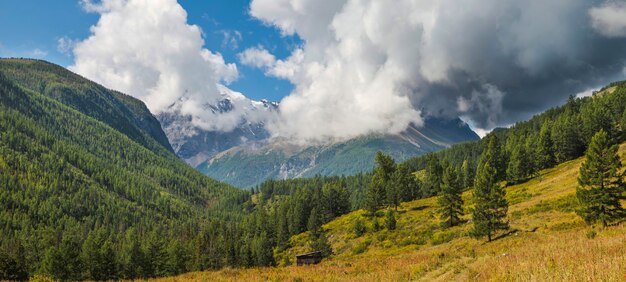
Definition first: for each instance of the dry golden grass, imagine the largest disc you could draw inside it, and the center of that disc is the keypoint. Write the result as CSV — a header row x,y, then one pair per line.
x,y
548,242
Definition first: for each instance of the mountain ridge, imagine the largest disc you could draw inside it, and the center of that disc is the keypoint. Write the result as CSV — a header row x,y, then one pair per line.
x,y
247,165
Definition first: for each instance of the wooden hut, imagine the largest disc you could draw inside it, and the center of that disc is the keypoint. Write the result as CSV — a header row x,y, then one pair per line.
x,y
309,258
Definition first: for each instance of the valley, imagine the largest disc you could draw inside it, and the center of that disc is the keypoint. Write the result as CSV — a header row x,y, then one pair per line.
x,y
547,242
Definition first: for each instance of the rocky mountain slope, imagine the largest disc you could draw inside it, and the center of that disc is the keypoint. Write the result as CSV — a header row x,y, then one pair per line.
x,y
251,163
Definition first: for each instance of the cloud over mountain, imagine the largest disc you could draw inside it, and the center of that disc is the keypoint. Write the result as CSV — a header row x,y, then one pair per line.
x,y
365,65
375,65
147,49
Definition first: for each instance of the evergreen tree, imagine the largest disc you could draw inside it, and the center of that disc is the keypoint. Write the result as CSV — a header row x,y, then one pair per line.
x,y
566,138
600,182
108,261
337,199
319,242
315,223
450,201
69,251
467,174
404,186
263,250
91,256
390,220
432,180
132,258
52,264
13,264
545,148
377,190
623,125
494,157
490,206
519,166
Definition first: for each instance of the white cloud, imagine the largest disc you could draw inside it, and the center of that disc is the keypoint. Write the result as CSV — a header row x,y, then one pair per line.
x,y
231,39
65,45
38,53
609,19
378,65
147,49
257,57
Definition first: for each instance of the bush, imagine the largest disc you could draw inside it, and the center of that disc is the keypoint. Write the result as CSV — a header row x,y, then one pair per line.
x,y
390,220
443,237
361,247
359,227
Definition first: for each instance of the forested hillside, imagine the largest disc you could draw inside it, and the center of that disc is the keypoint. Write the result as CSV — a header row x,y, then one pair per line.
x,y
515,155
547,241
87,179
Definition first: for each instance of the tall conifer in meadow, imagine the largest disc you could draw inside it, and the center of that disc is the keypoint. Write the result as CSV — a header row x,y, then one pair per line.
x,y
600,182
491,206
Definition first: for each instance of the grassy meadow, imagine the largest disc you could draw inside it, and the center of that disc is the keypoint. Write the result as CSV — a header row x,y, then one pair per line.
x,y
547,242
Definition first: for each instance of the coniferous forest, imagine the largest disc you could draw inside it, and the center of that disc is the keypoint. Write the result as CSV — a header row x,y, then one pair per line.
x,y
91,190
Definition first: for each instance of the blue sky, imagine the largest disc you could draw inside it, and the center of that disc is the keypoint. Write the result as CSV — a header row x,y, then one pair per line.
x,y
32,28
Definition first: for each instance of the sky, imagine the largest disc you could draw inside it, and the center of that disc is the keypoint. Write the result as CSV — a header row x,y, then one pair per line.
x,y
340,68
33,28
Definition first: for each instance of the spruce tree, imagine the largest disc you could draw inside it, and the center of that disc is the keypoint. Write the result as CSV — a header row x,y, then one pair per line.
x,y
319,242
405,185
600,182
432,181
467,176
519,164
545,148
450,201
108,261
376,196
566,138
490,206
623,125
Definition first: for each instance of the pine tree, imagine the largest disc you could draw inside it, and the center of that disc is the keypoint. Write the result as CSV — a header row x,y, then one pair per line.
x,y
494,157
108,261
13,263
623,125
91,256
467,174
132,257
376,196
545,148
519,164
600,182
432,181
337,198
52,264
450,201
319,242
405,185
566,138
490,206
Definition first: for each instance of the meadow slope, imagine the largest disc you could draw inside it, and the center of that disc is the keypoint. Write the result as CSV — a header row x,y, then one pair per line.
x,y
547,242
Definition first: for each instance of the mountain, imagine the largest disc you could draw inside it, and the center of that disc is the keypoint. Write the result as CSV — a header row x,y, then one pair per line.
x,y
251,163
81,164
196,145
